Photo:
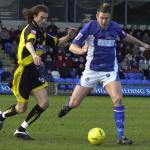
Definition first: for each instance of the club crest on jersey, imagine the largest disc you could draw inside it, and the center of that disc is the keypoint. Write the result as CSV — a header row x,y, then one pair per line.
x,y
33,32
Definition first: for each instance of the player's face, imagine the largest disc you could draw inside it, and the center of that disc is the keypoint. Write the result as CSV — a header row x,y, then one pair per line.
x,y
41,19
103,19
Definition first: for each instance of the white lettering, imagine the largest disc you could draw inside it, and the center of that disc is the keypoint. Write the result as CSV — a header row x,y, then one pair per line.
x,y
148,91
108,43
5,88
100,91
133,91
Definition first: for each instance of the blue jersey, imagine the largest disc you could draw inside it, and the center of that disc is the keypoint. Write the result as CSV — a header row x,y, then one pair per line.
x,y
101,55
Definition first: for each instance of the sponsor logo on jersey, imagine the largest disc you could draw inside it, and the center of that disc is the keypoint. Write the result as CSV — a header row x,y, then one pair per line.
x,y
106,43
40,47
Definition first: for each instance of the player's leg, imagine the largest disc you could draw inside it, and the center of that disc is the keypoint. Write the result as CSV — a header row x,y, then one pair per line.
x,y
75,100
12,111
42,104
114,90
22,95
87,83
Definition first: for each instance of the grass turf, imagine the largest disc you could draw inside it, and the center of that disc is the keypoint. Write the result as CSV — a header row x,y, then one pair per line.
x,y
70,132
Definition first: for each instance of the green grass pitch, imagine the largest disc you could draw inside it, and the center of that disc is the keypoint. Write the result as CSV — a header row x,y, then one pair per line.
x,y
70,132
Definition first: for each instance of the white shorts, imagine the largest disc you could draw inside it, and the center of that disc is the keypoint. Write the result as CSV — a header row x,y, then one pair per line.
x,y
91,78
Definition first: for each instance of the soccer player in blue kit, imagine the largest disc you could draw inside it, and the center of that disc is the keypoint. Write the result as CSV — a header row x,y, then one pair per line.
x,y
98,39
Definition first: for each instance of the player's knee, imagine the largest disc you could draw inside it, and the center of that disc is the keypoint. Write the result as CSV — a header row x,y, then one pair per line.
x,y
117,100
44,105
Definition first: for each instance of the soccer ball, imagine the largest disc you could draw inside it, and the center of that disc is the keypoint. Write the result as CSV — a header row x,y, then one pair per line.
x,y
96,136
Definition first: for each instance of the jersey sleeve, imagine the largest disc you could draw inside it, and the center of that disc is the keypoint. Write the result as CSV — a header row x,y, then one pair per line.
x,y
120,32
30,35
83,34
51,40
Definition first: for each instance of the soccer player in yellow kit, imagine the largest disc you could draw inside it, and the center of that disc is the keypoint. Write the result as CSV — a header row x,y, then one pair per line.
x,y
26,78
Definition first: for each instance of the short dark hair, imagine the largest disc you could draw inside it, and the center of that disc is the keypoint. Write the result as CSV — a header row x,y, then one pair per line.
x,y
104,8
29,13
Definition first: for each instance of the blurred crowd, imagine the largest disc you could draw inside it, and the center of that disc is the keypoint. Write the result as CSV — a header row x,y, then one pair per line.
x,y
59,62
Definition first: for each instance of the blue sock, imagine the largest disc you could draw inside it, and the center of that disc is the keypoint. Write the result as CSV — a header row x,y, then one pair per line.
x,y
119,117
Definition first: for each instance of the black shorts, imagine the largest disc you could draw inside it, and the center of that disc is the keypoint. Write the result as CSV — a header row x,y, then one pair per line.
x,y
26,80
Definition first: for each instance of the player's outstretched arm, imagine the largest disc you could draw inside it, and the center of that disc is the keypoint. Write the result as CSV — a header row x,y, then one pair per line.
x,y
71,34
129,38
78,50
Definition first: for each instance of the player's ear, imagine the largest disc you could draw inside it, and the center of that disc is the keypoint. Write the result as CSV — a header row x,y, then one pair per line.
x,y
97,15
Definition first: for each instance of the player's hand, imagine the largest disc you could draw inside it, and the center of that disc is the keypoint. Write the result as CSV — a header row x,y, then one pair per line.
x,y
146,46
72,32
37,60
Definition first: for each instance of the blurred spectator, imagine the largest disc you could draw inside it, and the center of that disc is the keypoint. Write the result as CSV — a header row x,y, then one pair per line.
x,y
1,64
69,63
13,34
130,58
146,38
125,65
50,51
80,69
4,36
59,53
49,64
121,73
52,29
55,74
59,62
13,53
120,52
134,65
148,77
6,75
64,71
48,75
138,34
73,73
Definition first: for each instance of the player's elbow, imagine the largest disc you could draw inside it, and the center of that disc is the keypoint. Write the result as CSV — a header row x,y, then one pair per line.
x,y
71,48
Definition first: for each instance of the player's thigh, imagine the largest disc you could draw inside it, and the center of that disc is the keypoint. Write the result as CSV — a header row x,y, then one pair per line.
x,y
41,98
79,93
114,89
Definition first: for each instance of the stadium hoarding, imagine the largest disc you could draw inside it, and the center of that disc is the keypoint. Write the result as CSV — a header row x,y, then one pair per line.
x,y
5,89
127,90
9,10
